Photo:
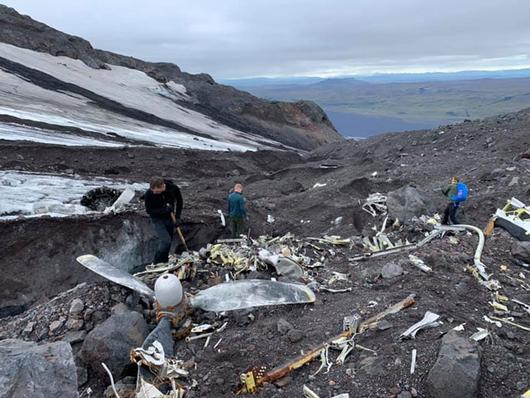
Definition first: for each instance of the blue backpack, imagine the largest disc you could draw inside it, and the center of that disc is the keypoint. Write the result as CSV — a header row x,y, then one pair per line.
x,y
461,193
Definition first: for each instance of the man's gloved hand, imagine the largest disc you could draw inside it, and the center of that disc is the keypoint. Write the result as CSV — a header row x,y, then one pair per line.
x,y
178,222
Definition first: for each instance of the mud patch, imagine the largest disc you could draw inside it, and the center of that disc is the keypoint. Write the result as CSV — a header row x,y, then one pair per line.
x,y
37,266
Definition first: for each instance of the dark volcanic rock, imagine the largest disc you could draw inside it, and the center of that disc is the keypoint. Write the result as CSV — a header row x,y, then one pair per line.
x,y
295,335
456,372
22,31
521,251
126,388
284,326
405,203
37,371
112,341
391,270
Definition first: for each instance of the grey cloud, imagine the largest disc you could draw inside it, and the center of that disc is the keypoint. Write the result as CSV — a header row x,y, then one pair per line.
x,y
235,38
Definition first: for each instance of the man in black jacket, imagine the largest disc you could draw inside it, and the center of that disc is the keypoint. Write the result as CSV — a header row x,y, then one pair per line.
x,y
163,202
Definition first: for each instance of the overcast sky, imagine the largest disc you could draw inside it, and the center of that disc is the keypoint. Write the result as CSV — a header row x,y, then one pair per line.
x,y
244,38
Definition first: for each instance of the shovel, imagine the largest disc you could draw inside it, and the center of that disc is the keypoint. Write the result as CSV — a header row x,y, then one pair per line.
x,y
179,232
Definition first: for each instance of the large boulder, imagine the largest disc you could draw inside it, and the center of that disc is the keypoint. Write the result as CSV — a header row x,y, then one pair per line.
x,y
405,203
37,371
111,342
456,372
521,251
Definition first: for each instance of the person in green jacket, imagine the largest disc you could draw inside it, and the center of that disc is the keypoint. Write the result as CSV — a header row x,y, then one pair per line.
x,y
237,211
450,213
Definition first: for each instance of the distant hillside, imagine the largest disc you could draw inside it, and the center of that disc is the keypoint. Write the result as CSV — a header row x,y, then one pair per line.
x,y
409,105
382,77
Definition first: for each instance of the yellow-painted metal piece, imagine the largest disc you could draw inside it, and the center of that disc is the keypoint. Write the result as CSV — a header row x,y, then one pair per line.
x,y
499,306
249,382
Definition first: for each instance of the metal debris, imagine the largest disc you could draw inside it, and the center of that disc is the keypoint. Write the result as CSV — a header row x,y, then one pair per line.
x,y
372,322
460,327
430,320
111,380
154,359
524,305
499,307
147,390
250,293
222,217
308,393
418,263
329,290
283,265
290,256
202,328
376,250
497,323
510,322
332,240
152,356
375,204
479,335
115,275
337,276
515,218
324,361
413,361
205,331
481,268
198,337
258,376
124,199
222,297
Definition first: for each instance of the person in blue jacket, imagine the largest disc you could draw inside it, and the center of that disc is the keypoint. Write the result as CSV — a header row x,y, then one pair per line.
x,y
237,211
457,193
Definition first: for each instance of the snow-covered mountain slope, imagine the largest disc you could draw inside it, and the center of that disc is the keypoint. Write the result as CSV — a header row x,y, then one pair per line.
x,y
15,132
50,77
22,97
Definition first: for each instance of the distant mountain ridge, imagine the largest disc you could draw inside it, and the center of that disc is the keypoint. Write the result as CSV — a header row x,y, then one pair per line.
x,y
242,116
381,78
364,108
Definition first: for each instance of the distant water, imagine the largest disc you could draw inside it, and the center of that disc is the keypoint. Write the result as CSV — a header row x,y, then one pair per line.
x,y
354,125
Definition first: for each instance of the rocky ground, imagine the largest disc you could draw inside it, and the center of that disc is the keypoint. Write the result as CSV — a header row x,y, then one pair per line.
x,y
312,194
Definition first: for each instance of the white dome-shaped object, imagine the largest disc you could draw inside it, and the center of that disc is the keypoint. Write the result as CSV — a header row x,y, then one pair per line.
x,y
168,290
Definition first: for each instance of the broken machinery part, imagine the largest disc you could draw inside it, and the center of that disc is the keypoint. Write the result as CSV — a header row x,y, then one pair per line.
x,y
257,376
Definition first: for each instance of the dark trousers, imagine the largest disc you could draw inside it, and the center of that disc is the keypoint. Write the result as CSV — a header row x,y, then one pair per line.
x,y
165,229
450,214
238,227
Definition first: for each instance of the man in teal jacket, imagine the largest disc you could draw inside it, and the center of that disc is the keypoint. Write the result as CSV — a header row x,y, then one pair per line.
x,y
237,211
